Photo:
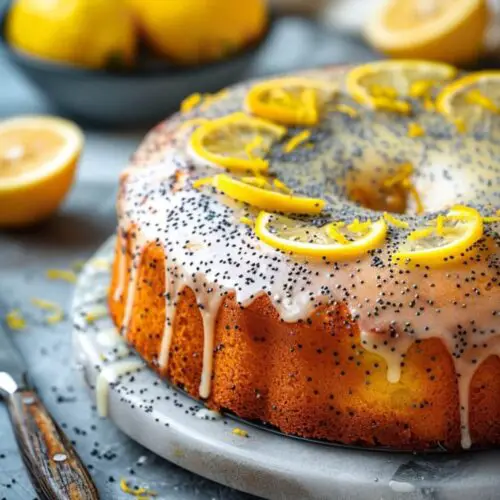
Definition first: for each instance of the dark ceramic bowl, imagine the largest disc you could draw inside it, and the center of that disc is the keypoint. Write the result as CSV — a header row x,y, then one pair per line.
x,y
141,96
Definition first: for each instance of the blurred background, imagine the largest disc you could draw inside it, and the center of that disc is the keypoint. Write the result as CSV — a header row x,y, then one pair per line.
x,y
121,63
114,68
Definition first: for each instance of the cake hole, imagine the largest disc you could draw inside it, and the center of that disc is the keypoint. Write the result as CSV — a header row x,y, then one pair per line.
x,y
393,191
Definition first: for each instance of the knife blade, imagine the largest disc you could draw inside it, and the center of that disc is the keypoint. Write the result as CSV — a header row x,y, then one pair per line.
x,y
11,362
56,470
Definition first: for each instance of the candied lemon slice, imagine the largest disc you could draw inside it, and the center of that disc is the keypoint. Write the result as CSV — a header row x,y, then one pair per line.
x,y
443,239
235,142
258,192
469,99
385,84
442,30
290,101
334,240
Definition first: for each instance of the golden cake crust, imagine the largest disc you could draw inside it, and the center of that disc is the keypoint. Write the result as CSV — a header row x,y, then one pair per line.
x,y
282,374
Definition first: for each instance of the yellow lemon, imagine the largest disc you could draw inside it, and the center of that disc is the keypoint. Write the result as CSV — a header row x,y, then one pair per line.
x,y
336,240
195,31
258,192
446,30
38,157
88,33
443,239
236,142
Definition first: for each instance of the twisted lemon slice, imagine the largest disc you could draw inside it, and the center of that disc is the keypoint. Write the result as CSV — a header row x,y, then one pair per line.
x,y
443,239
334,240
290,101
470,98
260,193
235,142
385,84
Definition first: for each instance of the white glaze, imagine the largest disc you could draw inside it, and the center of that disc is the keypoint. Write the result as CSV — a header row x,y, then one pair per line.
x,y
109,375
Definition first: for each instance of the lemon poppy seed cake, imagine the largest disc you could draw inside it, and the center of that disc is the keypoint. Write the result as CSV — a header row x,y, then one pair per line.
x,y
319,252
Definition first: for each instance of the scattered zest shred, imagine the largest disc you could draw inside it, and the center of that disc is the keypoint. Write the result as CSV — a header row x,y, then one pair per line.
x,y
100,264
296,141
240,432
15,320
143,493
203,181
395,221
415,130
247,221
61,274
282,186
56,312
191,102
347,110
476,97
98,312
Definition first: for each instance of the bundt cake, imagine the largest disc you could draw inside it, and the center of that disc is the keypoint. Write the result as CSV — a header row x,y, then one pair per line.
x,y
320,252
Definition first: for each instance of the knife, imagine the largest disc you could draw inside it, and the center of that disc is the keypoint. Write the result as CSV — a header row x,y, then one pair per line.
x,y
56,470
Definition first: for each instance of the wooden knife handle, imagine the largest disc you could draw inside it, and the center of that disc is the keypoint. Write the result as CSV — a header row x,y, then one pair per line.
x,y
56,470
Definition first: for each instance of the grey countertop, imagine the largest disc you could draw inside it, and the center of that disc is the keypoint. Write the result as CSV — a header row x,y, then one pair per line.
x,y
84,222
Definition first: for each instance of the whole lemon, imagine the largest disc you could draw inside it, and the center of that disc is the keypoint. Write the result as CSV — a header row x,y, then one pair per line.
x,y
195,31
89,33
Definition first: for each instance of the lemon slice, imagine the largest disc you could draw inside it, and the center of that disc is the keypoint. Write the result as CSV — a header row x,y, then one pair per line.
x,y
471,98
38,156
235,142
442,30
260,193
289,101
386,84
444,239
334,240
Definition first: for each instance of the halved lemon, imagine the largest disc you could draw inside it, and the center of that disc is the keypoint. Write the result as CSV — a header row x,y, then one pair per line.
x,y
334,240
442,30
443,239
471,98
290,101
236,142
38,156
267,195
386,84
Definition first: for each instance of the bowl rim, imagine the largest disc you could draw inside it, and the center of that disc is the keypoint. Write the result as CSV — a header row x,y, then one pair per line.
x,y
171,71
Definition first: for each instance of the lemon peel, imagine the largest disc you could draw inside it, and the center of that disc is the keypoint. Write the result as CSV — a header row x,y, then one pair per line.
x,y
411,75
143,493
328,241
96,313
240,432
15,320
61,274
394,221
190,102
466,91
347,110
246,191
296,141
420,248
207,142
289,101
415,130
57,313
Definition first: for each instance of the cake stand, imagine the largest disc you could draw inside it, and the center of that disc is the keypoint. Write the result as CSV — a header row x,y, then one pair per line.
x,y
237,453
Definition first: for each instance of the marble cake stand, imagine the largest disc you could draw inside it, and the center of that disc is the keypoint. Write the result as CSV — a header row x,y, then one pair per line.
x,y
266,464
